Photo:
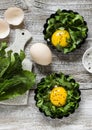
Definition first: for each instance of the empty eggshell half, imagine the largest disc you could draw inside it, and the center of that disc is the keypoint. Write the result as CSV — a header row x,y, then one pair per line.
x,y
4,29
41,54
14,15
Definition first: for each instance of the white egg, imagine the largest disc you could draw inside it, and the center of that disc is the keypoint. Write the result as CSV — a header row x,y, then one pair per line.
x,y
14,15
4,29
41,54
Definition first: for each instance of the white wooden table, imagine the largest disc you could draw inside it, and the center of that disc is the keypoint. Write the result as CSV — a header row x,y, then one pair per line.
x,y
28,117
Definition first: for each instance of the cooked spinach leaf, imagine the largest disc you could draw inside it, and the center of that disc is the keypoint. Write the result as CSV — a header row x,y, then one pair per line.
x,y
44,88
72,22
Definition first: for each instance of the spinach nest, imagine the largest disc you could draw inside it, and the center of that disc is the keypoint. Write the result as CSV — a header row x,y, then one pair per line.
x,y
57,95
65,30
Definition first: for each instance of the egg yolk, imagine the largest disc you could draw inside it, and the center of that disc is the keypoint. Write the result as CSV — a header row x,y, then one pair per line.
x,y
58,96
60,38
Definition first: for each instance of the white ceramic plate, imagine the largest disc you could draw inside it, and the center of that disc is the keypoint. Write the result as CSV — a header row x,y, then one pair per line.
x,y
21,38
87,60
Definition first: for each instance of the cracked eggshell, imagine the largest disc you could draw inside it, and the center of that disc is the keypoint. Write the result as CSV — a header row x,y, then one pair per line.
x,y
41,54
14,15
4,29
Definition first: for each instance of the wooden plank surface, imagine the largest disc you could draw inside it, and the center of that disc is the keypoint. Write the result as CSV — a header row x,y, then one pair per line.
x,y
28,117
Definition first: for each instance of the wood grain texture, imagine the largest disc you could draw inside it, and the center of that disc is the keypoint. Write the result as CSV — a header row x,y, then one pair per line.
x,y
4,4
28,117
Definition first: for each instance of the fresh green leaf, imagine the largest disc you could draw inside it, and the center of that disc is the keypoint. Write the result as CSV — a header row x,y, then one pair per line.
x,y
14,81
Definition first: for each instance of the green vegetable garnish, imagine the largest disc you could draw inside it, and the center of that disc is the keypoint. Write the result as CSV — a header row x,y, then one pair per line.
x,y
69,21
14,81
57,95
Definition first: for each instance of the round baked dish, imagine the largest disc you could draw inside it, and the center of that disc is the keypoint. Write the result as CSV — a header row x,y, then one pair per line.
x,y
65,30
57,95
